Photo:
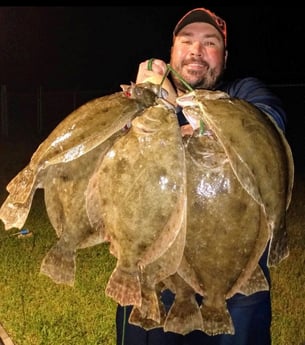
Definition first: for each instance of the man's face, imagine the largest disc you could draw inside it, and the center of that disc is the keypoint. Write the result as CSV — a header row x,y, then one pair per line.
x,y
198,55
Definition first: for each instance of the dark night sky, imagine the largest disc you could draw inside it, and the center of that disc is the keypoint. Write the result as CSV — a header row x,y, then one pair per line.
x,y
101,47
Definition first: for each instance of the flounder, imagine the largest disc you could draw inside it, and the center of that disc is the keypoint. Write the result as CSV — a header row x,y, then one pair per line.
x,y
64,187
81,131
258,152
142,195
239,183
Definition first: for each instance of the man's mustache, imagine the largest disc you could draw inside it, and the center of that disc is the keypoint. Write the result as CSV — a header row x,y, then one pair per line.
x,y
196,60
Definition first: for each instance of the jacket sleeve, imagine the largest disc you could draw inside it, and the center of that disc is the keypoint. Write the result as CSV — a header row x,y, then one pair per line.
x,y
256,92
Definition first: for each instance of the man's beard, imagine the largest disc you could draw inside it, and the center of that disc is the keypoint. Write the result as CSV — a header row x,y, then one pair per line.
x,y
208,82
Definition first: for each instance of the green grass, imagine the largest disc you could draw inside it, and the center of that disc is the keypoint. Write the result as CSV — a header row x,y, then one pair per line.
x,y
288,291
36,311
33,309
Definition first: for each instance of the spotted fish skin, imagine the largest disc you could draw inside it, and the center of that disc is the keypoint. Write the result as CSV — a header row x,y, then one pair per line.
x,y
226,230
143,200
81,131
239,183
258,152
151,314
65,186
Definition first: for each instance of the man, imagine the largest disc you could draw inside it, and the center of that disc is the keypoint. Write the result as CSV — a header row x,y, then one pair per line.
x,y
199,54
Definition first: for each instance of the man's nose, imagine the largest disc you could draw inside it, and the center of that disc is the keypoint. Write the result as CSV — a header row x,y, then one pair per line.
x,y
197,48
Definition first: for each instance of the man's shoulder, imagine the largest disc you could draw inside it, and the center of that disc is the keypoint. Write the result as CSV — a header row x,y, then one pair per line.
x,y
255,91
242,86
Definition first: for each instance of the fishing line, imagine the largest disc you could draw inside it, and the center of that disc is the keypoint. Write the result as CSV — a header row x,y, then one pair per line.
x,y
189,88
149,64
124,325
170,69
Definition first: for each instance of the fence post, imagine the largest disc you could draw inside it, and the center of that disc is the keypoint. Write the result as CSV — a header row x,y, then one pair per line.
x,y
4,116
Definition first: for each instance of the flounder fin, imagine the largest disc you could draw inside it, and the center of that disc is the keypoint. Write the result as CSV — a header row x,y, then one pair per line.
x,y
257,282
188,274
21,185
167,236
14,215
279,249
125,87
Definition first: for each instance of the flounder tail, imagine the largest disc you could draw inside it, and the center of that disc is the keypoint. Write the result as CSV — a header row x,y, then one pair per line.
x,y
60,265
184,316
151,314
216,320
124,287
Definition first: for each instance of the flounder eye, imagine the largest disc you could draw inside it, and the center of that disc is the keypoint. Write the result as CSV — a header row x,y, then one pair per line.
x,y
139,91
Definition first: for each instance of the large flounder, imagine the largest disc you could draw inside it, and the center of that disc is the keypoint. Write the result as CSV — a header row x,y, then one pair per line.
x,y
143,199
81,131
258,152
65,186
226,233
239,183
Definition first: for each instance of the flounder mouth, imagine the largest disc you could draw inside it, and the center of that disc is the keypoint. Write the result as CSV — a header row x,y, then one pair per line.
x,y
187,100
190,109
192,114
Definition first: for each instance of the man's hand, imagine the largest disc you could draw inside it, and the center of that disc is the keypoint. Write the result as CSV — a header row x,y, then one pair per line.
x,y
153,70
186,130
150,68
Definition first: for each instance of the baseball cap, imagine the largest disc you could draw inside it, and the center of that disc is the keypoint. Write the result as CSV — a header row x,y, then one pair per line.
x,y
202,15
